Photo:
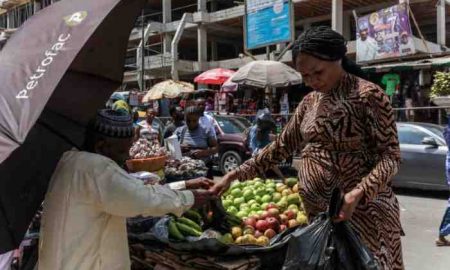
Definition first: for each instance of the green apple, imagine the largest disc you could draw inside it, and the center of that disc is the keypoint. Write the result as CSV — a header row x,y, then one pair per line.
x,y
260,212
293,206
268,181
257,179
241,214
266,198
248,195
293,199
236,184
261,192
271,185
270,190
236,192
229,197
255,207
227,203
238,201
264,205
276,197
232,210
258,199
252,201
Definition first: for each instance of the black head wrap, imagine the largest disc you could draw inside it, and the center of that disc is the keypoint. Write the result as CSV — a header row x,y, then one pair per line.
x,y
113,124
326,44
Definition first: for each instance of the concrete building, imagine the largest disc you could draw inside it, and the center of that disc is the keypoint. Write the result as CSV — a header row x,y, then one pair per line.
x,y
185,37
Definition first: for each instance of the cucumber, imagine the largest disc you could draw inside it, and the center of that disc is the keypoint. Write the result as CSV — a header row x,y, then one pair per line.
x,y
193,215
186,230
190,223
174,232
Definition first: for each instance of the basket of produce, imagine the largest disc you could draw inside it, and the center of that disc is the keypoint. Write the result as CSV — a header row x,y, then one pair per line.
x,y
184,169
253,217
146,156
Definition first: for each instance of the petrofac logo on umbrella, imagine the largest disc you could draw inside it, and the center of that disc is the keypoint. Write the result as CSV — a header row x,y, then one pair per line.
x,y
48,59
76,18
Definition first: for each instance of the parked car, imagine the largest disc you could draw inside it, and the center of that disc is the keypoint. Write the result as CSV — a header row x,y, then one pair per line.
x,y
423,153
233,150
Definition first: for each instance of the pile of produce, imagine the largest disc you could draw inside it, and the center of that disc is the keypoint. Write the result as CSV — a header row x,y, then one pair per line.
x,y
441,84
193,223
142,148
254,212
267,208
186,168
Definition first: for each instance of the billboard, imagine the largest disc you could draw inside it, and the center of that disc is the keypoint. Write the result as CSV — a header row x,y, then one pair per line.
x,y
267,22
384,34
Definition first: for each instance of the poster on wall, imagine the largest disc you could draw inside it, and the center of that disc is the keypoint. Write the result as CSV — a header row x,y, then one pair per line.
x,y
384,34
267,22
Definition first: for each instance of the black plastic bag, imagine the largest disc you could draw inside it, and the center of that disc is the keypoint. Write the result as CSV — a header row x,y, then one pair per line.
x,y
325,245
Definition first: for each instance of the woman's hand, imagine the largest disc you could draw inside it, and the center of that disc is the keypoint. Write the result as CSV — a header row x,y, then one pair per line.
x,y
351,200
223,185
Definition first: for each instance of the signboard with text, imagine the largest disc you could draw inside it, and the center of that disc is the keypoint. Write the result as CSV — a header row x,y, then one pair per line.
x,y
267,22
384,34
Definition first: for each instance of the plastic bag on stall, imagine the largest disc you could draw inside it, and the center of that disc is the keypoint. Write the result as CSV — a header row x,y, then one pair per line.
x,y
325,245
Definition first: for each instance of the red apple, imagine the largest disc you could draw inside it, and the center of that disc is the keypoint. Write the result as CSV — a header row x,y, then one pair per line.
x,y
273,223
274,212
283,227
264,215
258,234
250,221
271,205
290,214
269,233
283,219
262,225
293,223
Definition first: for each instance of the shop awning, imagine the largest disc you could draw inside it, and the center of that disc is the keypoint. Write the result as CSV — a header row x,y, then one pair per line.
x,y
410,65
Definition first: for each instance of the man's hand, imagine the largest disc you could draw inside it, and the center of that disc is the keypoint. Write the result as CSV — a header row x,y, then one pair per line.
x,y
202,197
224,184
185,148
351,200
199,183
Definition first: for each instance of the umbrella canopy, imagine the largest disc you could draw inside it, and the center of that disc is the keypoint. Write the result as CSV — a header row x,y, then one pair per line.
x,y
266,73
56,71
229,86
168,89
215,76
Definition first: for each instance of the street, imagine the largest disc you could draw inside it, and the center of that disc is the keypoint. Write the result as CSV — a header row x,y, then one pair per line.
x,y
421,217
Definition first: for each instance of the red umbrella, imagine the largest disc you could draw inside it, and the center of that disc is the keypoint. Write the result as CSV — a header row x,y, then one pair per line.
x,y
215,76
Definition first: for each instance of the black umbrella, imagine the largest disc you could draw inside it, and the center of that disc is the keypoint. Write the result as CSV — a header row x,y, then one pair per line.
x,y
55,72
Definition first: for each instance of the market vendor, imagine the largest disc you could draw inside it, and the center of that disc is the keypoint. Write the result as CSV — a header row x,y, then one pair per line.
x,y
90,196
346,132
176,122
149,129
197,141
205,120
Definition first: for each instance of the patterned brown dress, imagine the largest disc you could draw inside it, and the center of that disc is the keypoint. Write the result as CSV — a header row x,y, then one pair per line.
x,y
347,138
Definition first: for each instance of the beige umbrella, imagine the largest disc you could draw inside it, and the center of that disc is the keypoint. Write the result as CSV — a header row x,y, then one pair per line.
x,y
264,73
168,89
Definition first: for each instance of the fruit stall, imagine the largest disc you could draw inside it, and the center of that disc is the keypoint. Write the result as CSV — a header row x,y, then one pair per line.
x,y
247,229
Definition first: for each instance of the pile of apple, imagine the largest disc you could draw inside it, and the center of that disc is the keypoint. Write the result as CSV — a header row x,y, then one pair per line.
x,y
266,207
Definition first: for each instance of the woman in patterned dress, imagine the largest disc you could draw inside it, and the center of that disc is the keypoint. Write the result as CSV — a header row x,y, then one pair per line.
x,y
347,136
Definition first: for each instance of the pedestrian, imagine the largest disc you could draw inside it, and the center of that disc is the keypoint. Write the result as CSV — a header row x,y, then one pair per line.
x,y
260,135
90,196
444,229
197,141
177,121
206,120
149,129
347,136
